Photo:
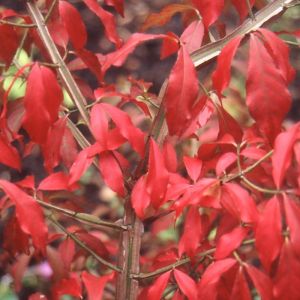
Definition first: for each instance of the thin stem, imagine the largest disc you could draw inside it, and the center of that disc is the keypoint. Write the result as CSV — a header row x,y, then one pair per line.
x,y
248,169
24,36
171,266
69,81
259,188
17,24
51,8
82,217
83,245
251,14
182,262
212,50
292,43
248,182
238,258
169,291
238,151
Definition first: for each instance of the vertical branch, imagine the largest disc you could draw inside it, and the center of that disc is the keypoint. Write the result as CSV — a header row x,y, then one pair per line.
x,y
129,255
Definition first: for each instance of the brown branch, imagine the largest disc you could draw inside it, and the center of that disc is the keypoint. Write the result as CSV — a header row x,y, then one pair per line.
x,y
82,217
180,262
248,169
51,9
212,50
129,254
22,25
83,245
56,58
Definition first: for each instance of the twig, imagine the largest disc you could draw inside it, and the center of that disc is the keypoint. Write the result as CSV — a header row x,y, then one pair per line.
x,y
51,8
248,169
82,217
212,50
23,25
252,16
69,81
181,262
261,189
83,245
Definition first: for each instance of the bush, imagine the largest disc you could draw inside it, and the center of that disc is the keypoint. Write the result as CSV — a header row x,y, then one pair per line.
x,y
198,193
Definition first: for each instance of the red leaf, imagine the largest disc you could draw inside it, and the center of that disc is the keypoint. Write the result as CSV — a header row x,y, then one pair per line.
x,y
107,20
192,233
118,5
15,241
151,187
280,53
27,182
51,149
283,151
9,48
267,106
230,242
95,285
99,124
9,155
268,236
56,264
91,61
193,166
225,161
170,157
18,269
181,94
261,282
118,57
192,36
133,134
209,10
157,288
239,203
212,275
186,284
55,182
37,296
67,252
292,212
165,15
140,199
221,76
42,100
57,30
68,148
67,286
111,172
73,24
28,213
157,177
240,288
170,45
242,7
253,153
93,243
287,279
80,165
228,125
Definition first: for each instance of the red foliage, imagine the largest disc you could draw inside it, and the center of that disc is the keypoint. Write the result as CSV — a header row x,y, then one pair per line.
x,y
222,181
